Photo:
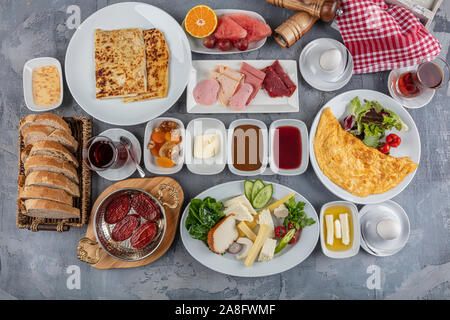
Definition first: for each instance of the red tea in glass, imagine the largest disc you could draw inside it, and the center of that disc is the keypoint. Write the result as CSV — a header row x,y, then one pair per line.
x,y
102,153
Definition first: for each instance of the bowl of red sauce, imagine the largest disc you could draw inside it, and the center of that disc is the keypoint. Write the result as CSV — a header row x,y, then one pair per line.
x,y
288,145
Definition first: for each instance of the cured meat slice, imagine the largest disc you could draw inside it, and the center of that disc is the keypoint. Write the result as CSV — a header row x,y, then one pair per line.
x,y
286,80
228,29
229,82
144,235
145,207
256,29
117,209
254,77
273,84
240,98
125,228
206,91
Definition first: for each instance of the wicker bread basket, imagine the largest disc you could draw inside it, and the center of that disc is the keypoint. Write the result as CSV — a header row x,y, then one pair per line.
x,y
82,130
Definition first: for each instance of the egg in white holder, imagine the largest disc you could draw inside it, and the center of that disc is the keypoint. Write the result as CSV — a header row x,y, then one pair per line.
x,y
326,64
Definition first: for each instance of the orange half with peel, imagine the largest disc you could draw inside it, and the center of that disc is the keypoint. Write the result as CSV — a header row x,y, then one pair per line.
x,y
200,21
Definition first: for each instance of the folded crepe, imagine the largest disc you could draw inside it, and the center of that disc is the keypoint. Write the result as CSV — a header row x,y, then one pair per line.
x,y
353,166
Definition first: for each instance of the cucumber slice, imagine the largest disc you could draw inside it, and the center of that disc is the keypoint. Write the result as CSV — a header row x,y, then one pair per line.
x,y
257,186
263,197
248,186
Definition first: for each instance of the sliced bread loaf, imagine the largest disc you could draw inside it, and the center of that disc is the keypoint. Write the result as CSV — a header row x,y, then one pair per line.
x,y
52,180
52,164
45,193
54,149
37,132
50,209
46,119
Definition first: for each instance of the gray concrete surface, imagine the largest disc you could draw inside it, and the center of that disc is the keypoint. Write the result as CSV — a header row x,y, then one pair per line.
x,y
35,265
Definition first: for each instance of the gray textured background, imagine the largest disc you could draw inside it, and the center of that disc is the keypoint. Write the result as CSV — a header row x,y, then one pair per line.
x,y
33,265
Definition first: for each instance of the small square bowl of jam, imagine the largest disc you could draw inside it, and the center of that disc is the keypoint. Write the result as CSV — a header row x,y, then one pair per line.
x,y
288,145
339,229
42,84
247,147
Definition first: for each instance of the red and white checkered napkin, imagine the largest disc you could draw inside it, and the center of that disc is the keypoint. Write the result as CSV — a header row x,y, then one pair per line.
x,y
384,36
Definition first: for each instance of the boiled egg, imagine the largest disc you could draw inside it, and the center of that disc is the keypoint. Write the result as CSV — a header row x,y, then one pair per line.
x,y
388,229
330,60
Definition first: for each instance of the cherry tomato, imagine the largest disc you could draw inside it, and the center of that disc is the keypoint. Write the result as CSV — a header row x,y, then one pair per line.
x,y
291,226
385,148
393,140
280,232
294,239
241,44
209,42
224,44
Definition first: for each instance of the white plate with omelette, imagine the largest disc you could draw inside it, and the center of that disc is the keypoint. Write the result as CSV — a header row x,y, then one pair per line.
x,y
353,171
82,63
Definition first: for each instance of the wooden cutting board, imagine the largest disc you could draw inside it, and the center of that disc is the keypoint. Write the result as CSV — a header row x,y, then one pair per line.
x,y
171,196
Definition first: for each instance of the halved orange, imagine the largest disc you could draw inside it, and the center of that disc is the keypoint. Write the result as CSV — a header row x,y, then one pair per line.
x,y
200,21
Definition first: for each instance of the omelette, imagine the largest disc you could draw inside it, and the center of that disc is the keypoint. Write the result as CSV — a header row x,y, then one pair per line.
x,y
353,166
157,67
119,63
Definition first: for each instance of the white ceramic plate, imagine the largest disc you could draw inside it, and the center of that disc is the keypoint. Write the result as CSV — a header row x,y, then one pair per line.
x,y
199,127
28,86
129,167
227,263
197,44
410,145
301,126
150,159
262,103
80,65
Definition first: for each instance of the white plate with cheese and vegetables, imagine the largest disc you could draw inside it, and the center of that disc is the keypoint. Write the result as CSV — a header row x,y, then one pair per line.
x,y
250,228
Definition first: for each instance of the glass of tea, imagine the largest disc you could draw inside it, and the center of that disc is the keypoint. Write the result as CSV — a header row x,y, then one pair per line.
x,y
428,75
102,153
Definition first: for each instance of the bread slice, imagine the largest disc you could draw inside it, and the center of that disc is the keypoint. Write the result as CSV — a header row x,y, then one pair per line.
x,y
222,236
45,193
46,119
52,164
52,180
54,149
50,209
25,153
37,132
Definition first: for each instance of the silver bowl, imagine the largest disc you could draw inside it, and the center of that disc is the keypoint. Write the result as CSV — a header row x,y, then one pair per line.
x,y
123,250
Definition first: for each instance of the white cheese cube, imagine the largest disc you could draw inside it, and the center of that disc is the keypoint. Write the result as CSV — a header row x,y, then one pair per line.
x,y
240,211
329,223
267,250
337,229
244,201
281,212
343,217
265,217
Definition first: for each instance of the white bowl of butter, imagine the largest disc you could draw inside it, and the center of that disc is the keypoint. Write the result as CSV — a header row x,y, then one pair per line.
x,y
42,84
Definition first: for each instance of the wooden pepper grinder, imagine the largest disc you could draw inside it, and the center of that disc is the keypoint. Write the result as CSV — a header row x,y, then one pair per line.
x,y
326,10
293,29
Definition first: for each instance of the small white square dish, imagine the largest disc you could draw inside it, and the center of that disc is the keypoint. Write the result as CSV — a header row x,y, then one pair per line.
x,y
205,127
150,159
28,68
289,141
263,143
353,227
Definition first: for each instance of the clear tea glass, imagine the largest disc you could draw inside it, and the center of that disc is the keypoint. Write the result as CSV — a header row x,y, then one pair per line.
x,y
101,153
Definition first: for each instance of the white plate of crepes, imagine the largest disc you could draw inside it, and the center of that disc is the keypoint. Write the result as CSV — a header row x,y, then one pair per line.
x,y
243,86
364,146
128,63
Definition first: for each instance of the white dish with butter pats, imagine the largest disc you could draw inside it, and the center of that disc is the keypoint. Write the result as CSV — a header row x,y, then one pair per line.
x,y
28,86
228,263
217,162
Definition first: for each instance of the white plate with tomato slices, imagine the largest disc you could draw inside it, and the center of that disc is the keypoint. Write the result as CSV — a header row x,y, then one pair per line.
x,y
288,258
409,147
198,46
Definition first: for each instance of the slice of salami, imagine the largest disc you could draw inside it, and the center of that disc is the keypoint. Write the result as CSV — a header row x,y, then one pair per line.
x,y
118,209
125,228
144,235
145,207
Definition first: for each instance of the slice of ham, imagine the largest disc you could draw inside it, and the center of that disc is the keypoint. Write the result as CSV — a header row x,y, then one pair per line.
x,y
229,82
254,77
206,92
239,100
